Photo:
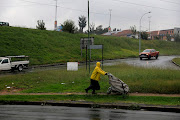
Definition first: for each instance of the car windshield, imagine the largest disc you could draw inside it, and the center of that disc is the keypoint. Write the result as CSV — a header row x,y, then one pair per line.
x,y
146,51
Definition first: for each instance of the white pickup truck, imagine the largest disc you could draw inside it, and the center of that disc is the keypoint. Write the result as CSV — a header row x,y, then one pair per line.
x,y
14,63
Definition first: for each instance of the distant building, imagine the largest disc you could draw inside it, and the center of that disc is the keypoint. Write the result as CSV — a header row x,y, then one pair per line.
x,y
124,33
159,34
177,30
164,34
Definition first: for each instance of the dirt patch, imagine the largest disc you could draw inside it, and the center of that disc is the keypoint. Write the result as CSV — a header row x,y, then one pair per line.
x,y
16,92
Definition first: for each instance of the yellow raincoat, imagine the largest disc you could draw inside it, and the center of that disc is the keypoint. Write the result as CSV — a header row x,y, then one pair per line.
x,y
97,72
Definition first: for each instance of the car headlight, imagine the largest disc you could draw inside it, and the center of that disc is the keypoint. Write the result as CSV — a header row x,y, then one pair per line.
x,y
146,54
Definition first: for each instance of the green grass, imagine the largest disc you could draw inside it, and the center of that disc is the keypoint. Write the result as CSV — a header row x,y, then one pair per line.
x,y
139,79
47,47
177,60
152,100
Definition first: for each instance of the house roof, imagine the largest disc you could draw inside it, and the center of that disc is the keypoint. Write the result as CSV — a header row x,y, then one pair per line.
x,y
123,33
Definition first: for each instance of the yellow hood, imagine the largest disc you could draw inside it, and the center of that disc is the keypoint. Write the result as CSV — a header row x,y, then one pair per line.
x,y
98,64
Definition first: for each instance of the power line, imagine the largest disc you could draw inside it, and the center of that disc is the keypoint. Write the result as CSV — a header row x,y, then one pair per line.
x,y
37,3
145,5
170,2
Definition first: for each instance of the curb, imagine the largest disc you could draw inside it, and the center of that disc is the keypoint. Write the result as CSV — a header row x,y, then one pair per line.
x,y
126,106
175,63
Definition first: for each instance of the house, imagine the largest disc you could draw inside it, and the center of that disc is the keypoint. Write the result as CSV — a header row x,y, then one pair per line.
x,y
164,34
167,34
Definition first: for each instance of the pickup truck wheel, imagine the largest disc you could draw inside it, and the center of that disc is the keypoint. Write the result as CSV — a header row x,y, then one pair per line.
x,y
156,56
149,57
20,68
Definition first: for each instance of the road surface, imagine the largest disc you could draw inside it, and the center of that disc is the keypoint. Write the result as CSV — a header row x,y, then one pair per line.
x,y
30,112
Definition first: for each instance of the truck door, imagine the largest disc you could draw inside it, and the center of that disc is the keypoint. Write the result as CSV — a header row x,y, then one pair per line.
x,y
5,64
153,53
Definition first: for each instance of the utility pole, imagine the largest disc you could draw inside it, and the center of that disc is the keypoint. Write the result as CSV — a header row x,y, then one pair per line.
x,y
149,27
89,39
110,20
55,23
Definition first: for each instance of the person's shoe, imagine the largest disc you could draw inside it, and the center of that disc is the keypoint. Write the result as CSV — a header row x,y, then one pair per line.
x,y
93,93
86,90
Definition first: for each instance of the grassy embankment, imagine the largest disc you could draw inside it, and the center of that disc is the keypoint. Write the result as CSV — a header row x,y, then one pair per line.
x,y
177,60
47,47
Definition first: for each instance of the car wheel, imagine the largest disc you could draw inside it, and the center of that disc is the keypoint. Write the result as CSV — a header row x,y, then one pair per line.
x,y
156,56
20,68
140,58
149,57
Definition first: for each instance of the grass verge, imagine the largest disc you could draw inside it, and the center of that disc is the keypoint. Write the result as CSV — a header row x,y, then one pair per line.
x,y
177,61
141,80
112,99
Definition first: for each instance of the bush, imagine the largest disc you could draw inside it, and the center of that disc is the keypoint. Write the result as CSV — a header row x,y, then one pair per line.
x,y
69,26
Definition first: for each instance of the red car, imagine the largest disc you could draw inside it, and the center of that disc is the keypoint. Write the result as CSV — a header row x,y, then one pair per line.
x,y
148,53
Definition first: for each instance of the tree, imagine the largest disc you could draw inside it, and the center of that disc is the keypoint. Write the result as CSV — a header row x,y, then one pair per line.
x,y
168,37
99,29
92,28
82,22
69,26
144,35
133,29
114,29
41,25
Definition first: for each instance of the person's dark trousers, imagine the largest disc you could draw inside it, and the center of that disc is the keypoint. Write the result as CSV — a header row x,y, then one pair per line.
x,y
94,86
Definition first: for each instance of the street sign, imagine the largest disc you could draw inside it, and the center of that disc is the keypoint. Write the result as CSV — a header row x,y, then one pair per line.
x,y
95,47
85,42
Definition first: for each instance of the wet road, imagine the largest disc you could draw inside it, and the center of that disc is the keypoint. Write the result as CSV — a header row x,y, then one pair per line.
x,y
24,112
163,62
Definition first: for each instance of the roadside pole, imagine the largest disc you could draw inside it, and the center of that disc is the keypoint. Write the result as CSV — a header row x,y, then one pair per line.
x,y
88,37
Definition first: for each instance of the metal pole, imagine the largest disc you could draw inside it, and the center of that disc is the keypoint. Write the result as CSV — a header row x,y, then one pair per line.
x,y
149,27
88,37
86,57
102,56
55,24
140,32
110,17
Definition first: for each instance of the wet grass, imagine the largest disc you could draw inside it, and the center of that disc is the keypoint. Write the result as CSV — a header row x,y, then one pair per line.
x,y
139,79
177,60
115,99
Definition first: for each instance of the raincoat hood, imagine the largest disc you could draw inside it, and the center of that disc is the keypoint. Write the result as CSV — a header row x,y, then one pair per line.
x,y
98,64
97,72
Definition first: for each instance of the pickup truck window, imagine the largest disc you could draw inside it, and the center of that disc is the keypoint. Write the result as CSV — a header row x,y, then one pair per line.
x,y
5,61
146,51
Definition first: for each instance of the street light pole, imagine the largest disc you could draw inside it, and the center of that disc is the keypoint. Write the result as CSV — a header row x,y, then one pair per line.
x,y
149,27
55,23
140,32
110,17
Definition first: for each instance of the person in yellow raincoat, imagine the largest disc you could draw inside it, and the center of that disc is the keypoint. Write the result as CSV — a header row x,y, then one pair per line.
x,y
95,77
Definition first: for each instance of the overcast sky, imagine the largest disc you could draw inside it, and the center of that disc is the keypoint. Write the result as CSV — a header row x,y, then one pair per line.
x,y
165,14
